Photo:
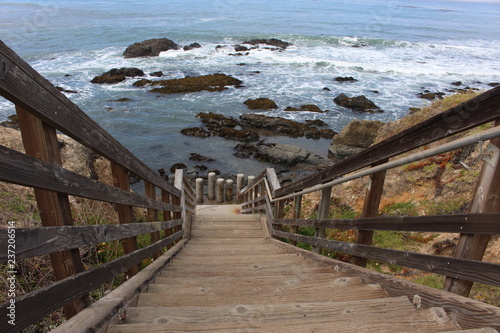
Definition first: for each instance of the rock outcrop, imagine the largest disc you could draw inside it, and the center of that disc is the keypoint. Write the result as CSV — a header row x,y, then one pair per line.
x,y
307,107
285,126
354,138
213,82
357,103
150,48
260,104
272,42
116,75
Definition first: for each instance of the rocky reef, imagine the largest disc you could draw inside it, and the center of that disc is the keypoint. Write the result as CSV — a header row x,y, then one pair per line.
x,y
212,82
149,48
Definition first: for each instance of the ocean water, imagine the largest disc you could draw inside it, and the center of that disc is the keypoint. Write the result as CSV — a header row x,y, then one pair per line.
x,y
410,46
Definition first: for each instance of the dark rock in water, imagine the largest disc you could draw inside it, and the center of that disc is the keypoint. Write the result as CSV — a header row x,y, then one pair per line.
x,y
494,84
285,126
191,46
240,48
157,74
307,107
431,96
327,89
150,48
457,83
107,79
13,122
358,103
273,42
196,131
245,150
124,99
200,158
345,79
213,82
291,109
234,134
178,166
414,110
354,138
201,167
260,104
163,173
214,120
316,122
116,75
360,44
67,91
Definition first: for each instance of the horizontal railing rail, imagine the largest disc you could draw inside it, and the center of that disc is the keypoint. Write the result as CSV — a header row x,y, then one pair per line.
x,y
42,111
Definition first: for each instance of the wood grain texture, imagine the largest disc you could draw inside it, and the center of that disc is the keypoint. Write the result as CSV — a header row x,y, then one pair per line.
x,y
467,312
31,242
478,110
477,271
22,169
25,87
486,223
34,306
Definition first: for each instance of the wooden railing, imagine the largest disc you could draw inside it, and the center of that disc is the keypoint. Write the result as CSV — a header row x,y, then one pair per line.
x,y
265,195
42,110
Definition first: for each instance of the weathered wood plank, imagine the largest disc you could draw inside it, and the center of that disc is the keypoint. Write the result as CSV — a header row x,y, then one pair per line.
x,y
33,306
152,214
97,316
31,242
40,142
477,271
227,225
21,169
484,223
225,233
477,111
273,181
25,87
467,312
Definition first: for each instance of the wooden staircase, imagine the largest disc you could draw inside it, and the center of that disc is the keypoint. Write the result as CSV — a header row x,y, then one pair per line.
x,y
230,279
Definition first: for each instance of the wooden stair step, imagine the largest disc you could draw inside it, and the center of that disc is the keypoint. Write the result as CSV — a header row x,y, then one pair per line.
x,y
228,280
227,225
226,217
229,242
209,259
352,316
262,295
227,233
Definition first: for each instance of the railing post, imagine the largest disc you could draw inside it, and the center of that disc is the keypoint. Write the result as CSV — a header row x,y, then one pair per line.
x,y
229,190
370,209
211,186
297,210
150,191
178,183
240,179
485,200
125,213
323,211
167,215
40,141
199,190
219,191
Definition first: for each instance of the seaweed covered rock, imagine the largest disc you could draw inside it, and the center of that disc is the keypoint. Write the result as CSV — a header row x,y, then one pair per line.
x,y
260,104
196,131
150,48
239,135
307,107
357,103
272,42
213,82
285,126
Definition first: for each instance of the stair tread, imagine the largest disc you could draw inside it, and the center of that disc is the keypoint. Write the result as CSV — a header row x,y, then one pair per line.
x,y
345,316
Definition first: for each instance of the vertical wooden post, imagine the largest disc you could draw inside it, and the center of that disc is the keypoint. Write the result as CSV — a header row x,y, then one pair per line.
x,y
297,210
229,190
180,201
279,213
370,209
323,211
125,213
486,199
239,185
219,191
199,190
150,191
211,186
165,197
40,141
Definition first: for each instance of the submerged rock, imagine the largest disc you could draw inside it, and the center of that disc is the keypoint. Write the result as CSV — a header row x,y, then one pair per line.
x,y
354,138
307,107
196,131
260,104
345,79
214,120
200,158
213,82
357,103
150,48
234,134
191,46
